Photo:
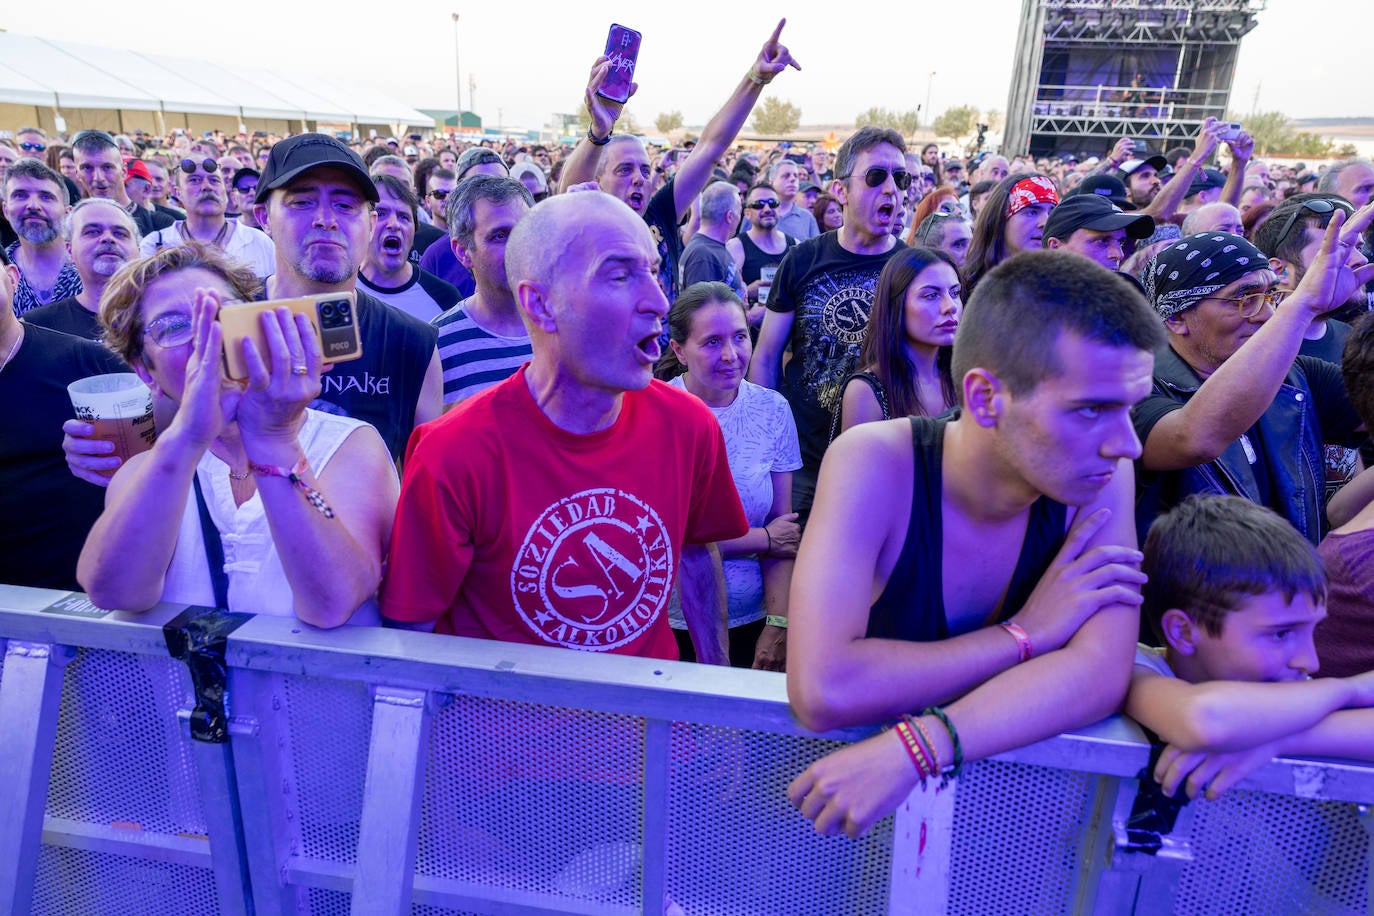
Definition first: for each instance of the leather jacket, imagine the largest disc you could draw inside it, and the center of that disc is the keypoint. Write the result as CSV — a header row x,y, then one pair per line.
x,y
1290,436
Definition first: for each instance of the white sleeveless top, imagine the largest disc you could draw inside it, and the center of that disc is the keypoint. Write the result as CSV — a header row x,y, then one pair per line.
x,y
257,581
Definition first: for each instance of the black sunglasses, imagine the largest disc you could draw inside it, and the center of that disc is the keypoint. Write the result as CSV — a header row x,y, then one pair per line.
x,y
1316,205
877,175
439,193
189,165
770,202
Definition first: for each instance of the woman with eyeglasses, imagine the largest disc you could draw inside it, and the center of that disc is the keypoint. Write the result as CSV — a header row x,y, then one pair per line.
x,y
249,500
709,338
1011,220
905,363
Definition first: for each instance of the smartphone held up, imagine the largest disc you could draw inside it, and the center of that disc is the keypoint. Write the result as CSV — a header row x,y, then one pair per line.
x,y
332,315
622,53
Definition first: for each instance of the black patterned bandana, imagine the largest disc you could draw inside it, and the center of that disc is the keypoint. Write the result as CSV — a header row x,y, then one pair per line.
x,y
1191,269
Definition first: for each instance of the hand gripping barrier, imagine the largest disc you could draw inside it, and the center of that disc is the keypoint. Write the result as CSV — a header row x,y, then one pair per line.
x,y
380,771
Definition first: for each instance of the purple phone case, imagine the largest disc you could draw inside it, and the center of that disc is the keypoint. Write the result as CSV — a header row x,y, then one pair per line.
x,y
622,47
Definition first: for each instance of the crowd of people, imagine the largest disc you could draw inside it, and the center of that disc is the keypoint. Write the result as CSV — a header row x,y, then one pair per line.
x,y
913,416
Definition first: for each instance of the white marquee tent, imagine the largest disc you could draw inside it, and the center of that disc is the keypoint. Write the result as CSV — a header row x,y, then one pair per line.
x,y
63,86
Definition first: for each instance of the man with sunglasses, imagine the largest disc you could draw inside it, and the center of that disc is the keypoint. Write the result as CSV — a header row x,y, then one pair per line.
x,y
200,186
242,189
823,292
100,170
440,186
759,250
1234,408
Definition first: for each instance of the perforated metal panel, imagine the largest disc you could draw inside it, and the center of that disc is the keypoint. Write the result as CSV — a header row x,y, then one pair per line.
x,y
735,844
335,903
1016,844
78,882
534,798
120,756
1264,854
330,723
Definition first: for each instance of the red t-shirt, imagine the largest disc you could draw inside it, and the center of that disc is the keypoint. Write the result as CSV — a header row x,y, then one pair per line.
x,y
510,528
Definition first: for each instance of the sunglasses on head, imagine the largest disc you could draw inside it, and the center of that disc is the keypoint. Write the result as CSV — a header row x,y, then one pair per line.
x,y
770,202
875,176
33,147
189,165
1315,205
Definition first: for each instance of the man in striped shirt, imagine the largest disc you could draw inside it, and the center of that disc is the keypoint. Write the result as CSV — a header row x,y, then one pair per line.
x,y
482,340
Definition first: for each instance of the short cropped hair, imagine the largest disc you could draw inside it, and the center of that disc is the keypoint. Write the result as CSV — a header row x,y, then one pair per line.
x,y
1209,553
864,138
461,206
717,202
35,170
93,142
1027,303
399,190
69,219
603,161
1289,248
1328,180
120,311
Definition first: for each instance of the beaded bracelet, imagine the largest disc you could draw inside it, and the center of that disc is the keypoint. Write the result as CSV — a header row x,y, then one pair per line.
x,y
925,735
914,750
958,768
598,142
293,474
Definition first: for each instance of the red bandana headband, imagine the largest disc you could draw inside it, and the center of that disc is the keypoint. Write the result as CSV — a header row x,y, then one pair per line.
x,y
1027,192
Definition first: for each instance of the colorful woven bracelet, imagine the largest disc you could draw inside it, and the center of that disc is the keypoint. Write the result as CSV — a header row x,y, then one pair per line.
x,y
293,474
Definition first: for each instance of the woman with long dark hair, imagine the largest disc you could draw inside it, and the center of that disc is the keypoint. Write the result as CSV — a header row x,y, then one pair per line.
x,y
1010,221
905,363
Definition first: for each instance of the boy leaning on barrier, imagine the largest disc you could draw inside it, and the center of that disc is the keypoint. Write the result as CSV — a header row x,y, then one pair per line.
x,y
1234,594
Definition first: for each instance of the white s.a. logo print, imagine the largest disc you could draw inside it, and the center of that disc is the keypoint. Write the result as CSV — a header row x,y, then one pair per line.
x,y
593,571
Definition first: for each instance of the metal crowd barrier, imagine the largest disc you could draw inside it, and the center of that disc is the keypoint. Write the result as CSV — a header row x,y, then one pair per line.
x,y
190,762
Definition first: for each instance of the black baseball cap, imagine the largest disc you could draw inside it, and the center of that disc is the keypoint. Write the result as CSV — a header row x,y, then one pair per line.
x,y
246,171
1158,163
1088,211
1205,179
303,152
1106,186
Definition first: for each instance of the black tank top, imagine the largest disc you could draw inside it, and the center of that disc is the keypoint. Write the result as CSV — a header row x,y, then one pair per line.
x,y
755,258
912,606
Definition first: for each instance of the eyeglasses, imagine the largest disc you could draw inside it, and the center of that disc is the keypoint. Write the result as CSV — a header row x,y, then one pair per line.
x,y
189,165
1315,205
439,193
33,147
1252,304
877,175
769,202
170,329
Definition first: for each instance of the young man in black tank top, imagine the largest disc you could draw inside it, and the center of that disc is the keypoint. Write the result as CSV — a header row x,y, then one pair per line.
x,y
763,245
953,532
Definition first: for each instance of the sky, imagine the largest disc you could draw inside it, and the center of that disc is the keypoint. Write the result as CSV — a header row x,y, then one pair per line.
x,y
529,60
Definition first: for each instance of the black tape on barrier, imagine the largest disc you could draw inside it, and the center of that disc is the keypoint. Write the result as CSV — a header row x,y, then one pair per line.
x,y
198,637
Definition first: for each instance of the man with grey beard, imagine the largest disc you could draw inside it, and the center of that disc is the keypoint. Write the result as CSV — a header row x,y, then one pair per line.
x,y
35,198
100,238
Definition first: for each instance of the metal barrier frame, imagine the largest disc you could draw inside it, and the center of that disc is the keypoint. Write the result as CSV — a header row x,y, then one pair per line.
x,y
412,675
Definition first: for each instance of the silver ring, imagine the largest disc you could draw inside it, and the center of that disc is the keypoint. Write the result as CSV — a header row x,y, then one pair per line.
x,y
299,370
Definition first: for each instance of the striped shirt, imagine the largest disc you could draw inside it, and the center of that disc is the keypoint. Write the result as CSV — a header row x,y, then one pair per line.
x,y
473,358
